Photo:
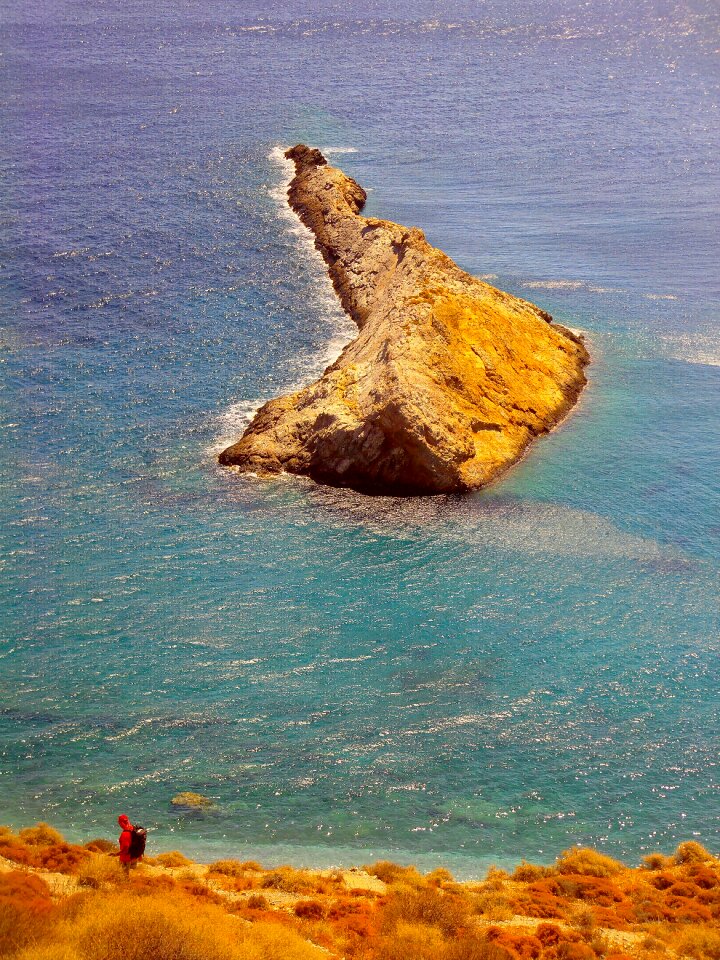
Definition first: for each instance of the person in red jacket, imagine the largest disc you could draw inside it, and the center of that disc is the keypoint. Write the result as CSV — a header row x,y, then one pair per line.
x,y
125,840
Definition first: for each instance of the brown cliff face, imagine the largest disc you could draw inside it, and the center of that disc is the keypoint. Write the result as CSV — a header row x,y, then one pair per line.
x,y
447,382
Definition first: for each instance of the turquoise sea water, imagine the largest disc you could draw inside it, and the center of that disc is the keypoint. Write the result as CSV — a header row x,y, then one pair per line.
x,y
455,680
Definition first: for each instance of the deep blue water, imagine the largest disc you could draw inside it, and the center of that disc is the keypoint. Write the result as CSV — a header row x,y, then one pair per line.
x,y
444,680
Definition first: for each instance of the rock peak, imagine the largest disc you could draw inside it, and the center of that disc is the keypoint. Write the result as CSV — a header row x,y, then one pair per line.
x,y
305,156
448,381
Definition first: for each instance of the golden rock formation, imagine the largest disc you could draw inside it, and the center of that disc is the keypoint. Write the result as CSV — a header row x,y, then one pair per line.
x,y
447,382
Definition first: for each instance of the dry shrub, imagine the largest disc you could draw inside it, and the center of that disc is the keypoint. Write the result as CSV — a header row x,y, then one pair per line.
x,y
685,910
588,863
476,948
582,919
703,876
25,910
49,951
309,910
61,857
166,928
692,852
527,872
41,846
391,873
541,899
273,941
14,849
197,889
412,941
142,883
439,877
526,947
429,907
493,905
173,858
592,889
355,927
252,866
574,950
548,934
496,877
100,845
256,901
41,835
99,871
657,861
701,943
229,868
663,881
295,881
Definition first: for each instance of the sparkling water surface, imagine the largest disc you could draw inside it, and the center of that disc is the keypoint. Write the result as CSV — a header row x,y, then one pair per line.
x,y
448,680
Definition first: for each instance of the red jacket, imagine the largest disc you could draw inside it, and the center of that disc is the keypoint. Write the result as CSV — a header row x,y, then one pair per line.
x,y
125,840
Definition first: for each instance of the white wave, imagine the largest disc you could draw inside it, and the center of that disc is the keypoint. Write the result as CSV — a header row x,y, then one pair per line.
x,y
338,150
350,659
699,348
528,527
568,285
233,422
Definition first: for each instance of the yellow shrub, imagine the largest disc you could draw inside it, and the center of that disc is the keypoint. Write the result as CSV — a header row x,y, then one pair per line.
x,y
229,868
690,852
173,858
390,872
588,862
41,835
702,943
438,877
99,871
528,872
124,926
493,905
473,948
276,942
101,845
295,881
49,951
412,941
429,906
657,861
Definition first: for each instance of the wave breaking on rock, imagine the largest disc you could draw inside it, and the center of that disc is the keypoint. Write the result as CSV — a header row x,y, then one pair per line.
x,y
447,382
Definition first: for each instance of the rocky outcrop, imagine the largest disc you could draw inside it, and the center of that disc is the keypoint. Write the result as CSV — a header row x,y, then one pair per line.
x,y
448,380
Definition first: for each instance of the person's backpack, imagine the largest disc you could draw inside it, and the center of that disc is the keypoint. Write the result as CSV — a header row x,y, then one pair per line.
x,y
138,839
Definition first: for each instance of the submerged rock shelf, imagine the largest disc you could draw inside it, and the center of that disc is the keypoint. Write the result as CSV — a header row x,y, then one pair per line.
x,y
445,386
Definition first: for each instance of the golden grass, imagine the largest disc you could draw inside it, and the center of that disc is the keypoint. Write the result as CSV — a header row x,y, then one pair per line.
x,y
588,863
99,871
157,926
41,835
172,859
586,906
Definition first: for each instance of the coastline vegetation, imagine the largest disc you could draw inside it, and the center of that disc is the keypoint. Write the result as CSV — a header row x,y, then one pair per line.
x,y
63,901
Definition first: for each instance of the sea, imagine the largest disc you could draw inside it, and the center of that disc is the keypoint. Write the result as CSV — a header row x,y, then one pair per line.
x,y
453,680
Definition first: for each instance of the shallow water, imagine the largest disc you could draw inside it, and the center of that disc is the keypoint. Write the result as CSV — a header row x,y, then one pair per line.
x,y
444,680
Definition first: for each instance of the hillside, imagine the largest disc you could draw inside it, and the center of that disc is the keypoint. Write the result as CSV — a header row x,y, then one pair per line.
x,y
61,901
